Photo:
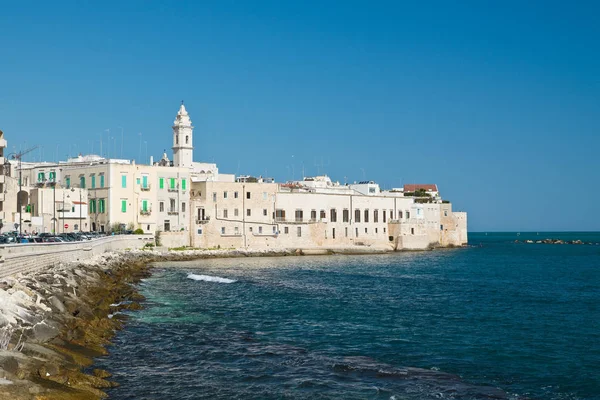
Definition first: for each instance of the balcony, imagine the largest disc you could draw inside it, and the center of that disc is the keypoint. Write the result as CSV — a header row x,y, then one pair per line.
x,y
202,221
172,211
173,189
145,212
145,188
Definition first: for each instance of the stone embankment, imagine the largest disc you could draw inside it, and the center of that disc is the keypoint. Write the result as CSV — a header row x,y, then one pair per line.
x,y
556,241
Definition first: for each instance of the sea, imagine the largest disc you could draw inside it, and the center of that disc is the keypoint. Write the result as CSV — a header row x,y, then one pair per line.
x,y
495,320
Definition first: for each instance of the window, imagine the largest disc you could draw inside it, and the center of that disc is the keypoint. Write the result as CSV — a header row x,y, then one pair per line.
x,y
250,229
101,206
383,230
144,205
137,181
183,184
333,215
313,215
356,231
247,195
299,231
333,233
41,177
366,230
399,214
407,215
222,230
346,231
260,229
236,230
161,206
299,215
171,183
52,176
286,230
82,182
172,205
445,213
264,212
248,212
161,183
93,177
366,215
412,231
375,230
225,213
92,206
356,215
123,205
176,139
235,195
441,227
280,215
376,216
274,229
123,181
214,196
345,215
235,212
68,182
224,195
101,181
384,219
264,195
145,181
182,206
187,139
322,214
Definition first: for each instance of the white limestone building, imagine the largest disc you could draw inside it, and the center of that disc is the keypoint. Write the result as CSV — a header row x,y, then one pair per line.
x,y
195,205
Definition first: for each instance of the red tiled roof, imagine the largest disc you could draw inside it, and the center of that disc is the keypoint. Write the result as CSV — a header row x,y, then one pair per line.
x,y
414,187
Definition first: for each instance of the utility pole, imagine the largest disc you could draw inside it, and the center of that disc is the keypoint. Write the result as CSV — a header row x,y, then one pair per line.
x,y
19,157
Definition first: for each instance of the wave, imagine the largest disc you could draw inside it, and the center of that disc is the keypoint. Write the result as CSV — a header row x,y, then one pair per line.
x,y
208,278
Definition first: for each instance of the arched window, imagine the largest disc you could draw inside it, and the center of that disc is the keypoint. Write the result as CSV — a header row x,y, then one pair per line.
x,y
176,139
187,139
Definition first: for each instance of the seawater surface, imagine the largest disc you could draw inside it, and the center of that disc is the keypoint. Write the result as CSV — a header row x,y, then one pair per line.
x,y
496,320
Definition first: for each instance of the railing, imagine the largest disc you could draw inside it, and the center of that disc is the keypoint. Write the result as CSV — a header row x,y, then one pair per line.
x,y
202,220
145,212
172,211
173,189
145,188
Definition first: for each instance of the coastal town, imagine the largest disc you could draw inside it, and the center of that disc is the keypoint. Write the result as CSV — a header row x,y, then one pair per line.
x,y
193,204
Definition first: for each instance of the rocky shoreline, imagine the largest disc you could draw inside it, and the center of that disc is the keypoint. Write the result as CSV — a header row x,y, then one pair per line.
x,y
556,241
54,322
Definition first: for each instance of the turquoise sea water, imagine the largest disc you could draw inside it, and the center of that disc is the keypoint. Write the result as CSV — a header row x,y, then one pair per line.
x,y
495,320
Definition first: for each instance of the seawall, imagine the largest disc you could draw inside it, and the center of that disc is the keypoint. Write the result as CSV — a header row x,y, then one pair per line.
x,y
23,258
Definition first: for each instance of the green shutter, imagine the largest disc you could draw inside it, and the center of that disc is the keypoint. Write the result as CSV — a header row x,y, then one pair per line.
x,y
82,182
123,181
172,183
101,181
101,206
137,181
68,182
93,182
123,205
144,181
183,184
161,183
144,205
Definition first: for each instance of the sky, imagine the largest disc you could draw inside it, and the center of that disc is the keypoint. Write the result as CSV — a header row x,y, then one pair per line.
x,y
496,102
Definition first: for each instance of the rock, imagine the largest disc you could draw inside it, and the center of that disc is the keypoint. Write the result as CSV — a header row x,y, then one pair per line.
x,y
100,373
10,365
43,332
57,304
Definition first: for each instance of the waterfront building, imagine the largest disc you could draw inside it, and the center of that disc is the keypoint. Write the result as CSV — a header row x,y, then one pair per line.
x,y
195,205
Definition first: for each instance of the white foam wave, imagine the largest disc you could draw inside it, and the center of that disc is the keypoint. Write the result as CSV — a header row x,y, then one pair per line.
x,y
208,278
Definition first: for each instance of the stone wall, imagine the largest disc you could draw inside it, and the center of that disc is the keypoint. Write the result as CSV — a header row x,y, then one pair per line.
x,y
175,239
15,258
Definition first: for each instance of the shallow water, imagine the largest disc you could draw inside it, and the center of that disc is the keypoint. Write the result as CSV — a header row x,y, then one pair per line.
x,y
498,320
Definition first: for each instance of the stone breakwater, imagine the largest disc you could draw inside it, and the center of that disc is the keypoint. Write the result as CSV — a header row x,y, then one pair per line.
x,y
53,322
557,241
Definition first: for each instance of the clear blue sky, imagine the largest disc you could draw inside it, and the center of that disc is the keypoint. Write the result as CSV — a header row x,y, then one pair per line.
x,y
497,104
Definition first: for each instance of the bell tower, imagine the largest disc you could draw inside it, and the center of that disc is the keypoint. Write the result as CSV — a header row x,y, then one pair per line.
x,y
183,149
